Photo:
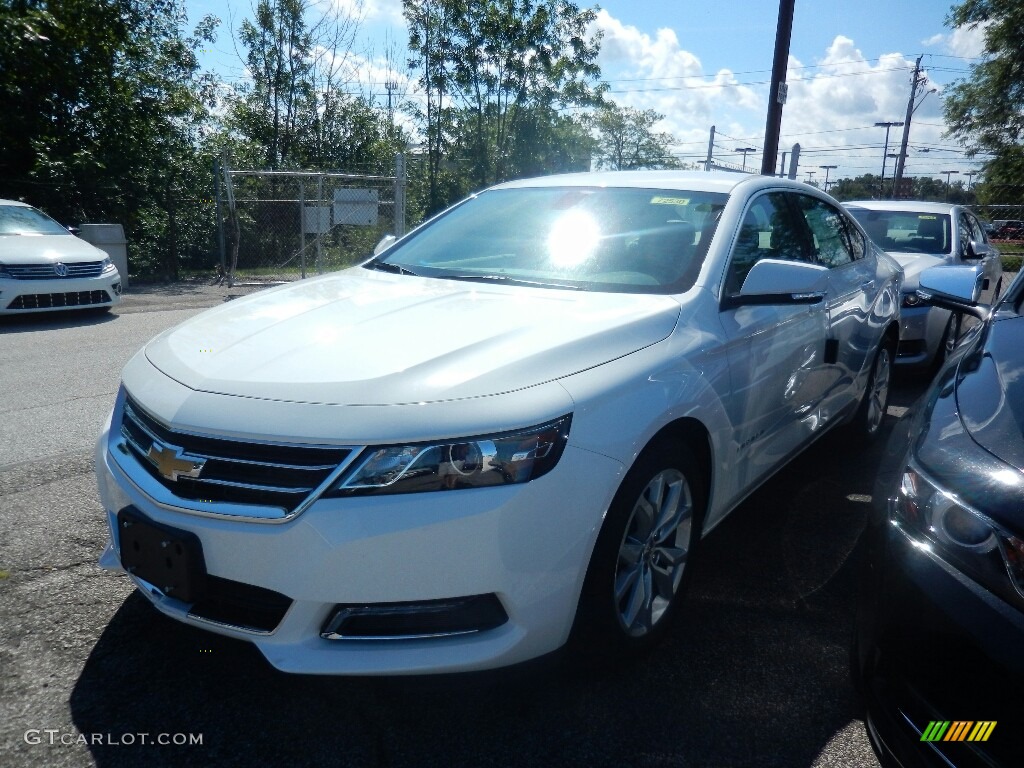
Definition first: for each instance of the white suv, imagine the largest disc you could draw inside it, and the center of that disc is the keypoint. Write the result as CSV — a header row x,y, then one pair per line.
x,y
507,431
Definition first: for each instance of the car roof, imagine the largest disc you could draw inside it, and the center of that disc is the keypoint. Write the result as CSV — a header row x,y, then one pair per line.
x,y
913,206
694,181
15,202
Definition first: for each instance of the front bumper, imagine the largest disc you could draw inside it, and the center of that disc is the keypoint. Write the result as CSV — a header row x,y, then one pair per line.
x,y
921,334
20,296
528,545
933,645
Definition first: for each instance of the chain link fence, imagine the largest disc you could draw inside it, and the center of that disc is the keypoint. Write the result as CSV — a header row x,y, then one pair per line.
x,y
276,226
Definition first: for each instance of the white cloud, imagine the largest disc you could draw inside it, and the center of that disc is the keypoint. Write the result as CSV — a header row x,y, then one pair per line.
x,y
654,72
968,42
388,11
833,107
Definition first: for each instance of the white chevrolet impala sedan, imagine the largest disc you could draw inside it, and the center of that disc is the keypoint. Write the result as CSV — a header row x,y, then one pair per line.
x,y
506,432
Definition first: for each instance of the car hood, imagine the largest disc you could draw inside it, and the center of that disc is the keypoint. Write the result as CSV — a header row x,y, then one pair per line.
x,y
990,395
913,265
369,338
40,249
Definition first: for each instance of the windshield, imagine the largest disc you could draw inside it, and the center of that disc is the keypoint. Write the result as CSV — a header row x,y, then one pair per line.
x,y
598,239
906,231
22,220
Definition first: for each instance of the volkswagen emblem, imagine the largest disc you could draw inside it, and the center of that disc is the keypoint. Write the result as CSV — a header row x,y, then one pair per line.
x,y
61,269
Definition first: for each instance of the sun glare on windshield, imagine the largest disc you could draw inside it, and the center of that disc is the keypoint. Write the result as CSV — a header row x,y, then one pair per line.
x,y
573,238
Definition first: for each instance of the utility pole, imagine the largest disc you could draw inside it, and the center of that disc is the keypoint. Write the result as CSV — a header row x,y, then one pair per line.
x,y
948,174
917,80
711,149
778,92
885,154
746,151
391,85
826,168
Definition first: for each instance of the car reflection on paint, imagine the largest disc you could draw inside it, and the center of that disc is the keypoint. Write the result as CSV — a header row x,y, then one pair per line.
x,y
940,623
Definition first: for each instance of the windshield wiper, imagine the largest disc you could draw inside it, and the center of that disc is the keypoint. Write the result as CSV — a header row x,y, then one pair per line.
x,y
511,281
396,269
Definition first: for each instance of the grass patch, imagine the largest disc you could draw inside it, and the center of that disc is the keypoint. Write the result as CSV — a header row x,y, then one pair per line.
x,y
1012,261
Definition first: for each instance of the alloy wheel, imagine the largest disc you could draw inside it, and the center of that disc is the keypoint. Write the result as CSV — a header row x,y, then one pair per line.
x,y
878,398
653,552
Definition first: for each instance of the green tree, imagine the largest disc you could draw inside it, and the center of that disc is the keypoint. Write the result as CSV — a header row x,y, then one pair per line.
x,y
110,106
627,140
295,112
490,71
983,110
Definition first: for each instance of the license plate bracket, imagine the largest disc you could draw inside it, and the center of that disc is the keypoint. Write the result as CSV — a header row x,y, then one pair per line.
x,y
168,558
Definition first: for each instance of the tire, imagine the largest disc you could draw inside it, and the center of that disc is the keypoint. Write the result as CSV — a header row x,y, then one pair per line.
x,y
642,560
867,424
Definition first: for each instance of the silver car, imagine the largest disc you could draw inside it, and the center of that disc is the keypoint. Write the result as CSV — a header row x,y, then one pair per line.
x,y
920,235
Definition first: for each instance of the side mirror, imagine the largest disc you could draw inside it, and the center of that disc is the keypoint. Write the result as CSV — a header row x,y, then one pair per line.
x,y
976,250
384,244
777,281
957,289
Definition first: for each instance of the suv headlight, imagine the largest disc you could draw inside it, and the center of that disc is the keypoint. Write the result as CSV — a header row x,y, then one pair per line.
x,y
475,462
964,537
108,266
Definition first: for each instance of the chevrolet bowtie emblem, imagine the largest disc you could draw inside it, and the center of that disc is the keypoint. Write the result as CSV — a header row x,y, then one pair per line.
x,y
172,464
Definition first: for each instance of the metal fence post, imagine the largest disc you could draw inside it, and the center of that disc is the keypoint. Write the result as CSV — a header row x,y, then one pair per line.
x,y
319,234
399,209
220,217
302,225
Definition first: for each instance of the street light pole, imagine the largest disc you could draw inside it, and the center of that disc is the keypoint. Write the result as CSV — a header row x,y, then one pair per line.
x,y
810,175
827,168
885,154
948,174
746,151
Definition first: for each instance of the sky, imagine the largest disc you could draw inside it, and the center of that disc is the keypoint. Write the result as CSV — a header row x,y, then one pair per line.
x,y
704,63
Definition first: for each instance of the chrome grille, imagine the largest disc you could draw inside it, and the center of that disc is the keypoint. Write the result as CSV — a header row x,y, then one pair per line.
x,y
231,471
46,271
31,301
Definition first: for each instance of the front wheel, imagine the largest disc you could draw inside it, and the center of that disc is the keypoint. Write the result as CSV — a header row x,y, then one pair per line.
x,y
867,424
641,561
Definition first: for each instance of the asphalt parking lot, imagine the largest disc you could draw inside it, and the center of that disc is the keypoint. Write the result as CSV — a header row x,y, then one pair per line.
x,y
754,674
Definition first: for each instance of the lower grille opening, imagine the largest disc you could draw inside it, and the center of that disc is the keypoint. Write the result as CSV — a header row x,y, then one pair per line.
x,y
51,300
240,605
429,618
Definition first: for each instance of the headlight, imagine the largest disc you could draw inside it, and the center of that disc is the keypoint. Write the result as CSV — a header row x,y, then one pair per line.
x,y
475,462
108,265
962,536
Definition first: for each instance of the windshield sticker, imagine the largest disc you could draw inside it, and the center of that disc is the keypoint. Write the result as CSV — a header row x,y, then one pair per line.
x,y
928,217
659,200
